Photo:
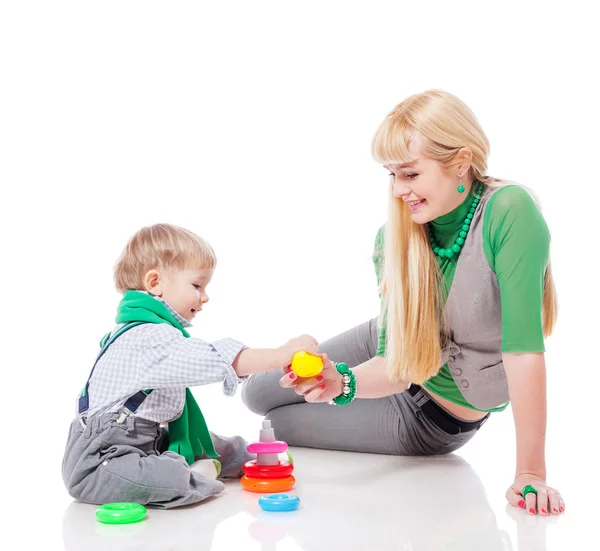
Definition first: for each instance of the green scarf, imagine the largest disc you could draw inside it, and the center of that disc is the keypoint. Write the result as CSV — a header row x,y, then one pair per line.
x,y
188,435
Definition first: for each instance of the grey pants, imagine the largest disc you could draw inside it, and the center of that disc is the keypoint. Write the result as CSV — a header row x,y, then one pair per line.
x,y
394,425
108,461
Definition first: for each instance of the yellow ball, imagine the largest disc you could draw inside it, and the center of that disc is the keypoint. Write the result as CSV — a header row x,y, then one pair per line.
x,y
306,365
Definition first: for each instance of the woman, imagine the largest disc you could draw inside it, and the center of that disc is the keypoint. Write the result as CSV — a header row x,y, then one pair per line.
x,y
467,299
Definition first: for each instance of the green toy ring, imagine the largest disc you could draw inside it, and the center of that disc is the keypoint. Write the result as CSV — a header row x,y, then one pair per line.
x,y
120,513
529,489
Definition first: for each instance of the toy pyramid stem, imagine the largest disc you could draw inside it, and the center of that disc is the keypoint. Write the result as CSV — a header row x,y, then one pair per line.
x,y
267,434
267,459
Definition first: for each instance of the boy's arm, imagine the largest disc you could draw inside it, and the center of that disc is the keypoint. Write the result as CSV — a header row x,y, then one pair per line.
x,y
255,360
174,361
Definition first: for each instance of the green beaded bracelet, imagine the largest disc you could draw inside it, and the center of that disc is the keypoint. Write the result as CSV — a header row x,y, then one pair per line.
x,y
349,389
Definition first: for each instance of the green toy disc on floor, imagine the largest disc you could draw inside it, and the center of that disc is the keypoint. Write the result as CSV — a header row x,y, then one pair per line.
x,y
120,513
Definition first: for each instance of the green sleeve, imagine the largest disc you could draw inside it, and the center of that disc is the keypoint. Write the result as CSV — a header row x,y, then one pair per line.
x,y
517,246
378,263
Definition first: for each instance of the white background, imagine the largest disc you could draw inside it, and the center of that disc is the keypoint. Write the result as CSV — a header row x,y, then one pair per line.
x,y
250,123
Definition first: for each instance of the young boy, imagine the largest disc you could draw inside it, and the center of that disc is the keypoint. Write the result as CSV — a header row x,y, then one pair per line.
x,y
117,449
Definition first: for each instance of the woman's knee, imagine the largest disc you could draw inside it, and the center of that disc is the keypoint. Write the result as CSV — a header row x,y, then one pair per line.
x,y
354,346
253,394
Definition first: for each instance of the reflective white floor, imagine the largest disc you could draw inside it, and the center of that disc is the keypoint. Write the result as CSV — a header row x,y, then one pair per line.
x,y
348,501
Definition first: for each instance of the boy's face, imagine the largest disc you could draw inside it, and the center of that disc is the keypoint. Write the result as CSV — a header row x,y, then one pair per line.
x,y
184,290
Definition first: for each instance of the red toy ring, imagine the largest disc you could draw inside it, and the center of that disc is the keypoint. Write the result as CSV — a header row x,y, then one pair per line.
x,y
283,470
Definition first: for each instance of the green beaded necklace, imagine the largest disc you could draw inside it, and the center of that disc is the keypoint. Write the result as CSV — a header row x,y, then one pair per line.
x,y
460,240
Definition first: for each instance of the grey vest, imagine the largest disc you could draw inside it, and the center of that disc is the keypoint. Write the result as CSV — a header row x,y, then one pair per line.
x,y
474,317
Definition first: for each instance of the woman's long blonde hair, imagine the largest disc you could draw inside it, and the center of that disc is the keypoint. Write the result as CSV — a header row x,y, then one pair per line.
x,y
411,284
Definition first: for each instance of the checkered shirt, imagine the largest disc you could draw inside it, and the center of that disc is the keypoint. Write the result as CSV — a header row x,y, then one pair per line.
x,y
158,357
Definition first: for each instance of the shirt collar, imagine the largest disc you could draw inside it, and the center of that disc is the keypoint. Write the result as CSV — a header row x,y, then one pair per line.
x,y
180,319
452,222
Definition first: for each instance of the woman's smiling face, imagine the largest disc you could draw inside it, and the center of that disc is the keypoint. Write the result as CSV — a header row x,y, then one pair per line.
x,y
428,190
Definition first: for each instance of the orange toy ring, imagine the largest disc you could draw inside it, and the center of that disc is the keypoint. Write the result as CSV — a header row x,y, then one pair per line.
x,y
267,485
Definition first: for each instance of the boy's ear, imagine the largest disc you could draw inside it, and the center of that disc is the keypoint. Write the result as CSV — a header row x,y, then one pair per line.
x,y
152,283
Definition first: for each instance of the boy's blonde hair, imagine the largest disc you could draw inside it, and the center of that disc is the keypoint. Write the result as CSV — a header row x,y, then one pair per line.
x,y
413,306
161,246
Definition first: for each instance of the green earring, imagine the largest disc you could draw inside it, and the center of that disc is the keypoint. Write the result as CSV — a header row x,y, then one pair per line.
x,y
460,188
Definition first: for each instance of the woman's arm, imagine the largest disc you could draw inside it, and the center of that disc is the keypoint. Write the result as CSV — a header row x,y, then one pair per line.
x,y
372,381
517,246
526,374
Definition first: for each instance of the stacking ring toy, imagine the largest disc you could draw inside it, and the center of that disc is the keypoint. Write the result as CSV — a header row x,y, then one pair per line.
x,y
267,447
120,513
529,489
267,485
279,502
306,365
283,470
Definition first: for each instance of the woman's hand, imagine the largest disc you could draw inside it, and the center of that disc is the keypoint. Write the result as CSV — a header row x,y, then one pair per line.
x,y
547,501
322,388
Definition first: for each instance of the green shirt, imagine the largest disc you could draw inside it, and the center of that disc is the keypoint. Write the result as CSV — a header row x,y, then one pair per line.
x,y
516,243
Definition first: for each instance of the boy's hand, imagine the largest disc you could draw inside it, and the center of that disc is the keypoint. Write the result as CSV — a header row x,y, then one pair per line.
x,y
257,360
304,343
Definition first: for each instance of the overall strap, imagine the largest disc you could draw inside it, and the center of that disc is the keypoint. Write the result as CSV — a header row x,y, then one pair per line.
x,y
107,340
